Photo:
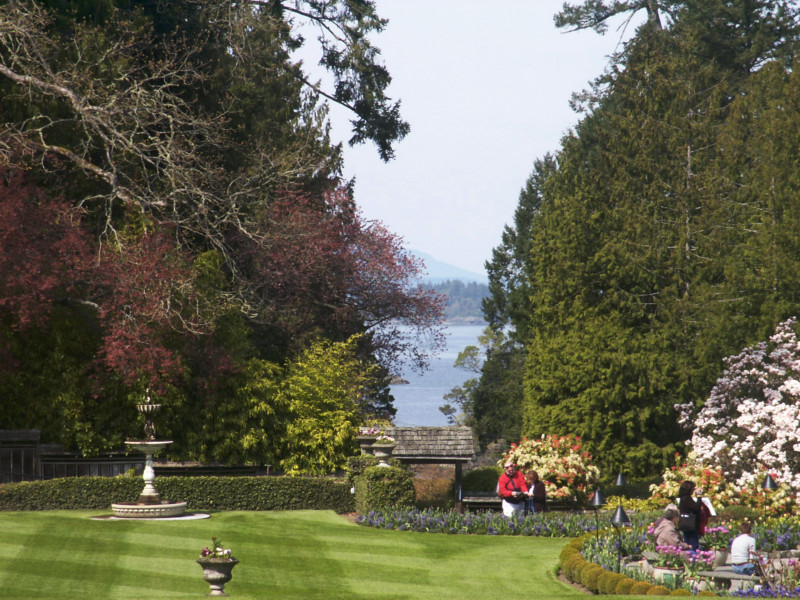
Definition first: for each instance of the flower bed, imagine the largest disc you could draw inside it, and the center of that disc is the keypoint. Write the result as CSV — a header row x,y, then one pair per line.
x,y
451,522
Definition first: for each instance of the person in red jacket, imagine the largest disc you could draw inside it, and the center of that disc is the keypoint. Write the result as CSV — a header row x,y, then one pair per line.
x,y
512,489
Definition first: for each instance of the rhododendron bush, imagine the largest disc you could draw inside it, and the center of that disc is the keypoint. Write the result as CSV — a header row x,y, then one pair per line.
x,y
749,424
566,470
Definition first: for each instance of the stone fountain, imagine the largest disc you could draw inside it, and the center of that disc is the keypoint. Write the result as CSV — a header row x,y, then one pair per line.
x,y
149,505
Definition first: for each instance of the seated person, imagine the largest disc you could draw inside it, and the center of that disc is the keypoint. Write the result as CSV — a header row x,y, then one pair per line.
x,y
666,531
743,547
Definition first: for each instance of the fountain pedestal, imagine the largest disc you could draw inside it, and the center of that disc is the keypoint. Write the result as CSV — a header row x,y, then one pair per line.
x,y
149,505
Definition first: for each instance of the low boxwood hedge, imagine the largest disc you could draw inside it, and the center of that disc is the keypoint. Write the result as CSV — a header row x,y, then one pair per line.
x,y
200,493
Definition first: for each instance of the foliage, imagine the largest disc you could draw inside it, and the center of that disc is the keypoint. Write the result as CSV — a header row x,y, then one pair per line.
x,y
204,238
494,343
200,493
723,492
718,537
748,425
642,261
322,390
482,479
565,469
380,488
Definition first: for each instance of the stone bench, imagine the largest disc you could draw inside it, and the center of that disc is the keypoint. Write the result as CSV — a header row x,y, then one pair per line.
x,y
725,576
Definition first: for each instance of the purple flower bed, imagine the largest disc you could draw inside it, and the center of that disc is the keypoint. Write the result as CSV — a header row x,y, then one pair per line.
x,y
777,592
547,524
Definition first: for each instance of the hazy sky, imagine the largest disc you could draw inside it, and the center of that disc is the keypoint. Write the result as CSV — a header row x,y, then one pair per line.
x,y
486,89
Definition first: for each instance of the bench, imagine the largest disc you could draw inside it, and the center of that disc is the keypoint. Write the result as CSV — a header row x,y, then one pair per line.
x,y
721,576
726,577
483,501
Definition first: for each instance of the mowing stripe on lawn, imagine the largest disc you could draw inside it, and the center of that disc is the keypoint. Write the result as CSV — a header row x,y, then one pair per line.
x,y
297,555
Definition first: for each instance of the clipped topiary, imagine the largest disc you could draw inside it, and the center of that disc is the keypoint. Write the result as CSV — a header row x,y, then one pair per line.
x,y
569,565
680,592
591,576
608,582
382,487
640,588
658,590
706,593
624,586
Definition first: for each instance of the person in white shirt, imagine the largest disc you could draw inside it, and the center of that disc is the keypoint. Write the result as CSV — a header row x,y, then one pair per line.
x,y
743,547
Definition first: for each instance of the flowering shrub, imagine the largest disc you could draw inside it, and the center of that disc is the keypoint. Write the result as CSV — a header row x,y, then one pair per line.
x,y
216,550
749,422
711,480
721,492
563,467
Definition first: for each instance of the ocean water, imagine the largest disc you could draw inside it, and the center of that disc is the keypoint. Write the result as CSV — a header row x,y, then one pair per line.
x,y
418,401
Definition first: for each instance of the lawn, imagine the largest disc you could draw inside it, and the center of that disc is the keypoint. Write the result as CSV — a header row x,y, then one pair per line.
x,y
285,555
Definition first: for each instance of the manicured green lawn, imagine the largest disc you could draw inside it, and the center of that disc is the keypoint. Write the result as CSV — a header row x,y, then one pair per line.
x,y
284,555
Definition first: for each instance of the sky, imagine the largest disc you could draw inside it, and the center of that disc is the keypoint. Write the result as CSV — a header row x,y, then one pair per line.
x,y
485,87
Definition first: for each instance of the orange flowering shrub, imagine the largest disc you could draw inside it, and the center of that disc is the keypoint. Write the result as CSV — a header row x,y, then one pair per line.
x,y
718,489
566,470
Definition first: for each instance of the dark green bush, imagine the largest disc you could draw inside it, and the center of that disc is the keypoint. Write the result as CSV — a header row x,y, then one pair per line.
x,y
382,487
200,493
482,479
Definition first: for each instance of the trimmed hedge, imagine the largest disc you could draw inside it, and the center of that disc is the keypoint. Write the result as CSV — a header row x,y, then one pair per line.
x,y
641,588
383,487
200,493
482,479
658,590
624,586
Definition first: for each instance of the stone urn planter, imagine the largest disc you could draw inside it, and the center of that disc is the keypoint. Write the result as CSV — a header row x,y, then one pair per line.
x,y
720,558
698,584
217,572
666,574
382,452
365,442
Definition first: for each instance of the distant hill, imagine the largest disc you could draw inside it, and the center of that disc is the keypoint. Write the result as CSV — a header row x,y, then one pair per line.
x,y
439,272
463,300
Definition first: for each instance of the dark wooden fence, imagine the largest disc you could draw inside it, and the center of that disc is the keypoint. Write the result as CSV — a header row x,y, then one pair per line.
x,y
24,458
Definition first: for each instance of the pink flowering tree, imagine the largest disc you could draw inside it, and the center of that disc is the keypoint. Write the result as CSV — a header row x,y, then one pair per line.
x,y
749,424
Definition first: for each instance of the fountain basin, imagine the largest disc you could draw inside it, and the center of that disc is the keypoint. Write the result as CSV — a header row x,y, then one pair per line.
x,y
149,505
133,510
148,447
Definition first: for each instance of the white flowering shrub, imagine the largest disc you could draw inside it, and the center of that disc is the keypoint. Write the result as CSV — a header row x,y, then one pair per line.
x,y
566,471
750,423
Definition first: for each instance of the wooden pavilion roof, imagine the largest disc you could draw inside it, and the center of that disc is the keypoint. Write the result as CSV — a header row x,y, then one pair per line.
x,y
433,444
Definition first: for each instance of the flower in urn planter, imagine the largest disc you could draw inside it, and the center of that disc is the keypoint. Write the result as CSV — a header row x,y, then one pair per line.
x,y
216,550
